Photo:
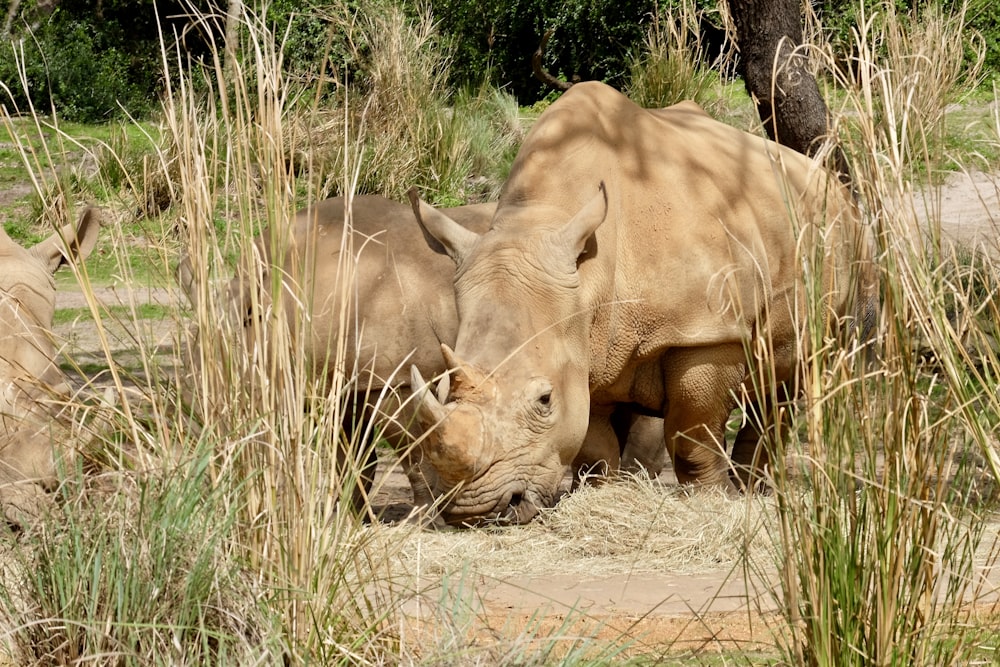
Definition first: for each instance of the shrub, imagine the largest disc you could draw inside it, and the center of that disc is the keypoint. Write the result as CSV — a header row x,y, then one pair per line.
x,y
593,39
669,67
840,17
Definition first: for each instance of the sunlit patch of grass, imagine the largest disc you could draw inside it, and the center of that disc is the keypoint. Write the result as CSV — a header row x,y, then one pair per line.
x,y
142,311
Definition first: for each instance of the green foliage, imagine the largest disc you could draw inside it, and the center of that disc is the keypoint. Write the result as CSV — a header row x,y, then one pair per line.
x,y
99,61
88,62
984,17
840,17
592,39
84,72
668,69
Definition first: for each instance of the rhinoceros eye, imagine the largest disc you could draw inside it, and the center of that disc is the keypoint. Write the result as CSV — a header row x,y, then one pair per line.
x,y
539,395
543,403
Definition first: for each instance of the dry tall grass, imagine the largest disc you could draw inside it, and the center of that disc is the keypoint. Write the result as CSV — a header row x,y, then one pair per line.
x,y
880,537
408,125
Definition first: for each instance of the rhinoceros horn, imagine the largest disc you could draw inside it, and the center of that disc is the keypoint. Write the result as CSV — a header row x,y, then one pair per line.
x,y
467,378
429,410
465,455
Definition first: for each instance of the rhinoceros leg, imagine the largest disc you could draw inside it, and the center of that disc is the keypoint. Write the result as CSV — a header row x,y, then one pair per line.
x,y
27,469
397,426
362,454
624,439
643,448
700,385
751,455
600,454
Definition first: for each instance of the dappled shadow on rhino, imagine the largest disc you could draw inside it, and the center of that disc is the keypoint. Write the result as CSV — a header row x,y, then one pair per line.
x,y
650,258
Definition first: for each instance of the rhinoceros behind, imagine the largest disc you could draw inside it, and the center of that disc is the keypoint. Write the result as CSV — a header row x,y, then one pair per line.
x,y
634,257
403,309
31,385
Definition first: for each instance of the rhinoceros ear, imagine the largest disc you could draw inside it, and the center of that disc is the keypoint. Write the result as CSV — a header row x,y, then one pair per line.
x,y
444,235
575,233
71,241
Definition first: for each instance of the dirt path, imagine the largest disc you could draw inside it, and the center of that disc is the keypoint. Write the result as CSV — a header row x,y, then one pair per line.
x,y
968,205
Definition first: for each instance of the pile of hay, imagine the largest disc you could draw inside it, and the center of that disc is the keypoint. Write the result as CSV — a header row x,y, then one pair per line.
x,y
633,524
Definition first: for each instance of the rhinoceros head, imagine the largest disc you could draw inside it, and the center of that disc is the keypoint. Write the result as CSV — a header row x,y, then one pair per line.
x,y
29,376
516,413
27,301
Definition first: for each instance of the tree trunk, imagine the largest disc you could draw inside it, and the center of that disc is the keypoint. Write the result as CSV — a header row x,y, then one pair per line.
x,y
8,23
775,72
234,11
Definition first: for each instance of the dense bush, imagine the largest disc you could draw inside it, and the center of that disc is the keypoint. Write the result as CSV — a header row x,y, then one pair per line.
x,y
89,59
95,61
592,39
840,17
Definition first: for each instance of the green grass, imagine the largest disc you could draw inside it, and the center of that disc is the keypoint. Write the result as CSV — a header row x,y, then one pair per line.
x,y
152,585
145,311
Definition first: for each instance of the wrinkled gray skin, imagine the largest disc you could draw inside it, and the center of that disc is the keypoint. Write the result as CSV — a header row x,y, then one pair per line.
x,y
404,310
32,388
634,257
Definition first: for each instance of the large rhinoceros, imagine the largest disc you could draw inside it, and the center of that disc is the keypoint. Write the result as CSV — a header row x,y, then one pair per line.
x,y
32,387
403,309
634,258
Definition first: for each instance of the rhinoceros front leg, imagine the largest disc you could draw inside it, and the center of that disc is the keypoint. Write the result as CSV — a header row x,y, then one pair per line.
x,y
700,385
27,469
600,454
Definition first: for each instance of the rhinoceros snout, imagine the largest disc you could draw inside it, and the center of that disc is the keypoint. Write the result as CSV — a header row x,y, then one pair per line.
x,y
521,509
516,509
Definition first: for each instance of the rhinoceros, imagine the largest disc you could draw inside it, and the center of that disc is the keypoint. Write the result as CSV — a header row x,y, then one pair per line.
x,y
634,258
404,309
32,387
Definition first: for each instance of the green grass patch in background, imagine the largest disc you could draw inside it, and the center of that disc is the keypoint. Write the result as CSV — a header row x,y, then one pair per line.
x,y
144,311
